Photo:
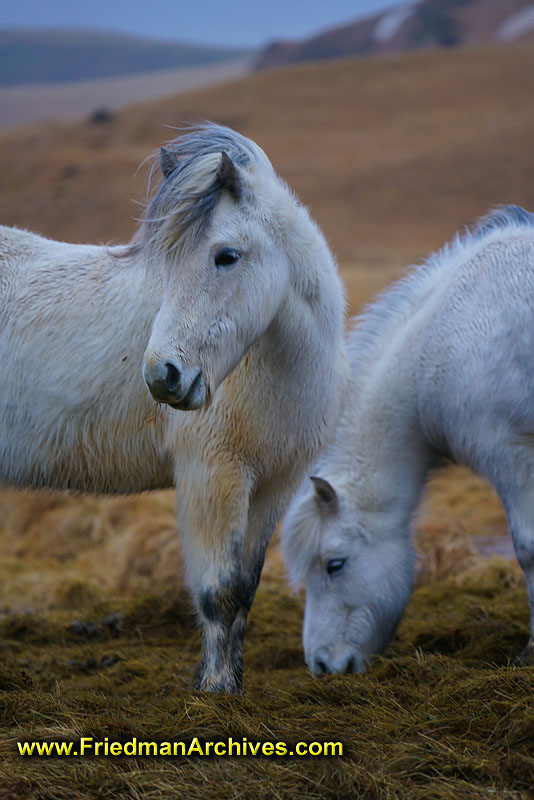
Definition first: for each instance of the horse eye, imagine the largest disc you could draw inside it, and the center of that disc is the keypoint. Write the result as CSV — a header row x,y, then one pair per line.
x,y
335,565
226,257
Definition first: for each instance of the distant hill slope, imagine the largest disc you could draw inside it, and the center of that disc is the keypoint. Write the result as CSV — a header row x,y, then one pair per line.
x,y
412,26
21,105
56,56
392,154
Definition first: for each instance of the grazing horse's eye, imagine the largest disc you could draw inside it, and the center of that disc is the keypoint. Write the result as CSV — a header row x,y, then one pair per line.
x,y
335,565
226,257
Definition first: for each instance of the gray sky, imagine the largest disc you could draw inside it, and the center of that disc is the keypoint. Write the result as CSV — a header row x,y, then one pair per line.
x,y
234,22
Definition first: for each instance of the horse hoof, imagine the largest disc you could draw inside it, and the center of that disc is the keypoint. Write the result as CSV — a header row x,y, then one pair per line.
x,y
218,685
221,687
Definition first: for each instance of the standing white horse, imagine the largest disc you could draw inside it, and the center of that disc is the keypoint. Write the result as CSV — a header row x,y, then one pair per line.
x,y
227,301
442,365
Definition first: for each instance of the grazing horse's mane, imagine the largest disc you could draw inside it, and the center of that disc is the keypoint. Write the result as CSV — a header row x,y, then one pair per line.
x,y
183,203
384,315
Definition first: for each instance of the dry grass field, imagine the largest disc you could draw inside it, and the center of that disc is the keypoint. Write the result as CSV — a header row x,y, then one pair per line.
x,y
96,633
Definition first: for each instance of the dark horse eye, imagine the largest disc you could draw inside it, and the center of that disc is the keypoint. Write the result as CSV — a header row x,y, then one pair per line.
x,y
226,257
335,565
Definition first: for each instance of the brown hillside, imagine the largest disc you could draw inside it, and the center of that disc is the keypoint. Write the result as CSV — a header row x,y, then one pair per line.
x,y
393,155
21,105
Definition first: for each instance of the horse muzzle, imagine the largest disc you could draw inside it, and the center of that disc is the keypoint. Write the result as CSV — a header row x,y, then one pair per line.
x,y
326,662
180,387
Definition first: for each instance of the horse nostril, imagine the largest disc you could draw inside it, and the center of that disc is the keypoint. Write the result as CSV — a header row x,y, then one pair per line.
x,y
321,667
174,376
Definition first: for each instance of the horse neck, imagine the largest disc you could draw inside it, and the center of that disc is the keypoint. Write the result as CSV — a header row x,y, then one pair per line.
x,y
379,442
305,339
141,293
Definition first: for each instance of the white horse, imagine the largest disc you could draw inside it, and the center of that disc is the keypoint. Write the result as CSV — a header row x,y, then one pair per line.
x,y
442,365
229,300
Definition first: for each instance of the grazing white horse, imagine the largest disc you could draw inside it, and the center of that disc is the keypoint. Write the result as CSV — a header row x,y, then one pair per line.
x,y
228,303
442,365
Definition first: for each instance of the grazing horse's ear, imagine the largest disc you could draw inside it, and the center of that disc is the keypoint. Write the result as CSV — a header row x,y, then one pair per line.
x,y
230,177
325,496
167,161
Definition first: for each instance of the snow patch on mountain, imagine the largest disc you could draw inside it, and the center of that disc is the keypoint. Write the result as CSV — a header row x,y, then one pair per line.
x,y
390,22
516,25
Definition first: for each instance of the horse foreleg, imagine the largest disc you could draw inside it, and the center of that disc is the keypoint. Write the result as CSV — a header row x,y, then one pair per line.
x,y
518,500
223,611
223,608
224,553
525,556
524,548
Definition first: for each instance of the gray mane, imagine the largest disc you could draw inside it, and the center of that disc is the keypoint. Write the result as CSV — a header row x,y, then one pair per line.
x,y
502,217
184,202
391,308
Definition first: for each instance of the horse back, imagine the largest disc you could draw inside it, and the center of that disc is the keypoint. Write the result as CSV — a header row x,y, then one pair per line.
x,y
476,382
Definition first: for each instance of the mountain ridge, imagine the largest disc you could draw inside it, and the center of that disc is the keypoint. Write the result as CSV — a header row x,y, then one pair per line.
x,y
411,26
59,55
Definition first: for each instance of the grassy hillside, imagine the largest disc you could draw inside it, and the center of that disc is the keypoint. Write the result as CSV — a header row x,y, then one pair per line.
x,y
50,56
21,105
392,156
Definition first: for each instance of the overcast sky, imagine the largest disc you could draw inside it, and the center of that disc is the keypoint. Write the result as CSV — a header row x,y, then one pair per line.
x,y
234,22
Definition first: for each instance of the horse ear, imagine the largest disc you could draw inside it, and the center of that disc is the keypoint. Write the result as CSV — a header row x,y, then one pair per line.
x,y
167,161
325,496
230,177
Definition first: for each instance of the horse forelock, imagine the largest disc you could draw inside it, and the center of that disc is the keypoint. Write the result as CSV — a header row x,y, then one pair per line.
x,y
184,202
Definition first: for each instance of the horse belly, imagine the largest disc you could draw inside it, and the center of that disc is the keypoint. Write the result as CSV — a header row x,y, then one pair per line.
x,y
58,448
74,411
78,469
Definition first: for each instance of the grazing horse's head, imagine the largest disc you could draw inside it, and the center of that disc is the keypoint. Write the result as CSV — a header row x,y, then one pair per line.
x,y
357,570
215,230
